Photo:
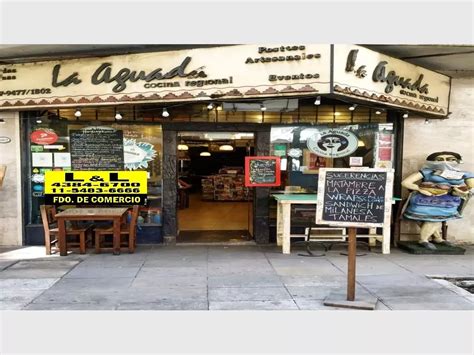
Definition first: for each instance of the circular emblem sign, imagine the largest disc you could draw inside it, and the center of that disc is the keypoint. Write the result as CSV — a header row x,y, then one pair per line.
x,y
5,140
333,143
43,137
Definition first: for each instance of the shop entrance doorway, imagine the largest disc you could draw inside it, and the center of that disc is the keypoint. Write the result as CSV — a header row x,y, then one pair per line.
x,y
214,206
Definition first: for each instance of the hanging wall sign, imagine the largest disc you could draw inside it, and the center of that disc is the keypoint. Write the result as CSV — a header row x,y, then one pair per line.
x,y
184,75
333,143
354,197
262,171
43,136
368,75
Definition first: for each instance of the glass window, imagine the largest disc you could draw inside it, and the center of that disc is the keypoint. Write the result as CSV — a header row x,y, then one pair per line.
x,y
306,149
49,149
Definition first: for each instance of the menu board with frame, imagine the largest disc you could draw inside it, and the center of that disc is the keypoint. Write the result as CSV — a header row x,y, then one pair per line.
x,y
262,171
97,148
354,197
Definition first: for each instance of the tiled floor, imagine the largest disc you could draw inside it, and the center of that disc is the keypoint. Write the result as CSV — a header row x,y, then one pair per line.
x,y
224,277
214,215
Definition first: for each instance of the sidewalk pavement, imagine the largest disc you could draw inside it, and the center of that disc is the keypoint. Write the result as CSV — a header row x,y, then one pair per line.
x,y
225,278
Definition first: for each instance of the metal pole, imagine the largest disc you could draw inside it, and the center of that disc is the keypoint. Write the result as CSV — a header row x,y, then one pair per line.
x,y
351,264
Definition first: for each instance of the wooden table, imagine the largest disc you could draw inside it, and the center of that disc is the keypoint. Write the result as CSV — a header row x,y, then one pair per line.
x,y
284,202
114,214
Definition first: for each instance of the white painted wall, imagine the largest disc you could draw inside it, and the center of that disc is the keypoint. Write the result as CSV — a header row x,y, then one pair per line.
x,y
10,193
455,134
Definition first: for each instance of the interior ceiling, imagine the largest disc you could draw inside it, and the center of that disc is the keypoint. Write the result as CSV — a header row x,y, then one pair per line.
x,y
452,59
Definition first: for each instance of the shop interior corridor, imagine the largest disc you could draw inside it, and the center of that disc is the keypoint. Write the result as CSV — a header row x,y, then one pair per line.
x,y
199,223
214,204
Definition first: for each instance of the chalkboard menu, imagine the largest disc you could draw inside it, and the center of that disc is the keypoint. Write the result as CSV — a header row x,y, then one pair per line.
x,y
262,171
96,148
356,197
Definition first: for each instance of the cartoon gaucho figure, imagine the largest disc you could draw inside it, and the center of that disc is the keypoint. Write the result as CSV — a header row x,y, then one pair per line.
x,y
440,190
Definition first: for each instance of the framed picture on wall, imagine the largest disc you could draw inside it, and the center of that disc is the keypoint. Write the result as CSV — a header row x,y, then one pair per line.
x,y
312,162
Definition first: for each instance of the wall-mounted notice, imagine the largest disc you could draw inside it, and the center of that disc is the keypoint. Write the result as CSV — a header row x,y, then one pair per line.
x,y
262,171
42,160
62,160
355,197
97,148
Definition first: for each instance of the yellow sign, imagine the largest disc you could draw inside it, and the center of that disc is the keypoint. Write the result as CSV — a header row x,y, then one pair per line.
x,y
95,187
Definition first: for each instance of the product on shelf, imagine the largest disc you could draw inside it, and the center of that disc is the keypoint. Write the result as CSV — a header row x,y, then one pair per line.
x,y
225,187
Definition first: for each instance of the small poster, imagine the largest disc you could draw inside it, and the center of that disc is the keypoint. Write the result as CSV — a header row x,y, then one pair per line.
x,y
279,150
383,150
313,162
41,160
62,160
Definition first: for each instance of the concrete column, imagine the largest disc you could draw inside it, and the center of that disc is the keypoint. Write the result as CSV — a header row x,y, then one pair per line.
x,y
261,194
170,188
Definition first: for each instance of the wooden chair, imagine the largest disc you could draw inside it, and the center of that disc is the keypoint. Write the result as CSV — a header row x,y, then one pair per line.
x,y
128,233
51,234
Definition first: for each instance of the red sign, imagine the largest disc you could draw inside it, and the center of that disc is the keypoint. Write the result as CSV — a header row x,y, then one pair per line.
x,y
43,137
262,171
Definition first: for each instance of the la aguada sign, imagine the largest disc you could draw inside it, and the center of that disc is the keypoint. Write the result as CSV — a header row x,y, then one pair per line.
x,y
226,72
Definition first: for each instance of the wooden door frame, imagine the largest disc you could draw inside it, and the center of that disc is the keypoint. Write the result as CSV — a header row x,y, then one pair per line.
x,y
170,173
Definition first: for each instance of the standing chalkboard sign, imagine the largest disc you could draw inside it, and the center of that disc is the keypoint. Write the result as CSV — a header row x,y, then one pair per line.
x,y
355,197
97,148
262,171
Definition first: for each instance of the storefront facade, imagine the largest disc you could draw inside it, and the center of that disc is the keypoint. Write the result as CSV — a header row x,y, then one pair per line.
x,y
285,95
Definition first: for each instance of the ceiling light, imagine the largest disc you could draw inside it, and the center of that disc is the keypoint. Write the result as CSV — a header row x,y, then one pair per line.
x,y
2,121
427,121
183,147
353,107
378,112
226,147
405,115
262,107
317,102
205,154
78,113
118,116
165,112
218,107
210,106
39,120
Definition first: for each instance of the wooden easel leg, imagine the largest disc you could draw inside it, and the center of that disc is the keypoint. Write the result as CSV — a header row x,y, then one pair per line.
x,y
351,264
